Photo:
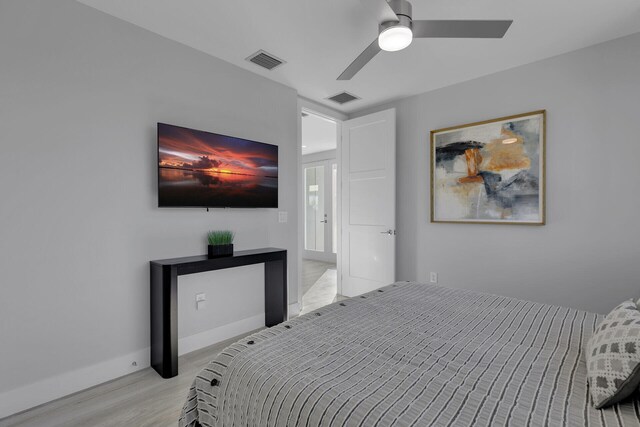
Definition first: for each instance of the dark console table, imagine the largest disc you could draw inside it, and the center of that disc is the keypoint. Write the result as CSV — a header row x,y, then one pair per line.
x,y
164,296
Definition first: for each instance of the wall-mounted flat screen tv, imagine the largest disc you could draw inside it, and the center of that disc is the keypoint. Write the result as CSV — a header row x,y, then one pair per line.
x,y
203,169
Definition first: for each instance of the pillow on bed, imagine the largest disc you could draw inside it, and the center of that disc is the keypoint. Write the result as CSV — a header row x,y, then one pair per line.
x,y
613,356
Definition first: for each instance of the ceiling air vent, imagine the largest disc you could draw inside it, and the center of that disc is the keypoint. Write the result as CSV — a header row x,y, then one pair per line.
x,y
343,98
265,60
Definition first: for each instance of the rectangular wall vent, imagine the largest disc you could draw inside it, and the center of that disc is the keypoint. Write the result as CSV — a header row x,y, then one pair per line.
x,y
265,60
343,98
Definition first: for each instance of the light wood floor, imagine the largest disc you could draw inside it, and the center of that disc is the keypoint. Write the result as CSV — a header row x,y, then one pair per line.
x,y
137,400
311,271
319,285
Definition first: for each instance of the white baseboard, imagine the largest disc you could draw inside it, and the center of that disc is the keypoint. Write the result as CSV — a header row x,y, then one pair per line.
x,y
52,388
49,389
215,335
294,309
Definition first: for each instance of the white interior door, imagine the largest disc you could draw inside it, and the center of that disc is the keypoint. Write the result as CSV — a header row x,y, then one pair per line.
x,y
368,160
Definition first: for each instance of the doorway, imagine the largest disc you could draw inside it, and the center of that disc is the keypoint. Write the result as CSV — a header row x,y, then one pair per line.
x,y
357,195
321,210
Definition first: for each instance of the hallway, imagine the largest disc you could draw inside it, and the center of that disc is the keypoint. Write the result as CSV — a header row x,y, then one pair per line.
x,y
319,285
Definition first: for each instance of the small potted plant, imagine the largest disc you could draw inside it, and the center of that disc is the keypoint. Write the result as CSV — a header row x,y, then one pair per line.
x,y
220,243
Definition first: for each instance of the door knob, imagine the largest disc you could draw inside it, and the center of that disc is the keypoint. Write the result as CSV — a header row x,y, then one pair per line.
x,y
389,232
325,221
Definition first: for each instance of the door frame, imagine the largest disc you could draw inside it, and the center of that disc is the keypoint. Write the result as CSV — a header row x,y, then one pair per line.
x,y
306,105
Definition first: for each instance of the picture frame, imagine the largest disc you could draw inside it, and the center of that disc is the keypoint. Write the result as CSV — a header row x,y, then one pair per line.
x,y
490,172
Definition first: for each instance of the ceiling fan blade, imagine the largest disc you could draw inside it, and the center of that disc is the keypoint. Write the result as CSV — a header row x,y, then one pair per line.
x,y
460,29
362,60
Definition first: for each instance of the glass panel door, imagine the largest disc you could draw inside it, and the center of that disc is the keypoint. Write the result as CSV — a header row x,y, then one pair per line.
x,y
320,206
315,217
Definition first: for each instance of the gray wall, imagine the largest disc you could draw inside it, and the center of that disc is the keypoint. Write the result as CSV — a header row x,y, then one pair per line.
x,y
319,156
587,256
80,94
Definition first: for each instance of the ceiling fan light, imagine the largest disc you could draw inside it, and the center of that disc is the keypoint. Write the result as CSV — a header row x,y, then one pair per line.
x,y
395,38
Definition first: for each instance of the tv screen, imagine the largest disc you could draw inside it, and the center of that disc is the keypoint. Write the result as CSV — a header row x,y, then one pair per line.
x,y
203,169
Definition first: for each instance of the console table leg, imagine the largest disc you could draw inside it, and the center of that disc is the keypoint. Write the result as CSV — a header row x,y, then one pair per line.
x,y
275,292
164,320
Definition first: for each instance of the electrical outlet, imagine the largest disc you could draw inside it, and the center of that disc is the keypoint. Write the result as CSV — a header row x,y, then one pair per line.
x,y
282,216
433,277
201,301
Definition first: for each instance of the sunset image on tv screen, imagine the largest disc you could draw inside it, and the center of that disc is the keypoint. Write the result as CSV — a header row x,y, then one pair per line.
x,y
202,169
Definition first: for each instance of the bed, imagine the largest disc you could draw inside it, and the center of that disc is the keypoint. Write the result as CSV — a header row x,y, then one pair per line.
x,y
409,354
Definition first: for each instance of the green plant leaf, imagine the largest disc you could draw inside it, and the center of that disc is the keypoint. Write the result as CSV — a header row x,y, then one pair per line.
x,y
220,237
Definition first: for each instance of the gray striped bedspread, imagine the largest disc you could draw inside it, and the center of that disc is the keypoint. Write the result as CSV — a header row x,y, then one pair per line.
x,y
409,354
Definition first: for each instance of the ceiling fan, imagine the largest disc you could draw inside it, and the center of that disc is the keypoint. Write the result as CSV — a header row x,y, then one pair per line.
x,y
398,29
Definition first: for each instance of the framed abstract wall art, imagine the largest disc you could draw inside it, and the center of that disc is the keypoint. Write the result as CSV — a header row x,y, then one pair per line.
x,y
490,172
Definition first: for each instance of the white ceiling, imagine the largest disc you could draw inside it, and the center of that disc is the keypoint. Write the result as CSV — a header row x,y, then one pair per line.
x,y
319,38
318,134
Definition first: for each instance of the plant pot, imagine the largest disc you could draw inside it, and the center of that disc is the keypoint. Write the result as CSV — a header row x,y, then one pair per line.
x,y
216,251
